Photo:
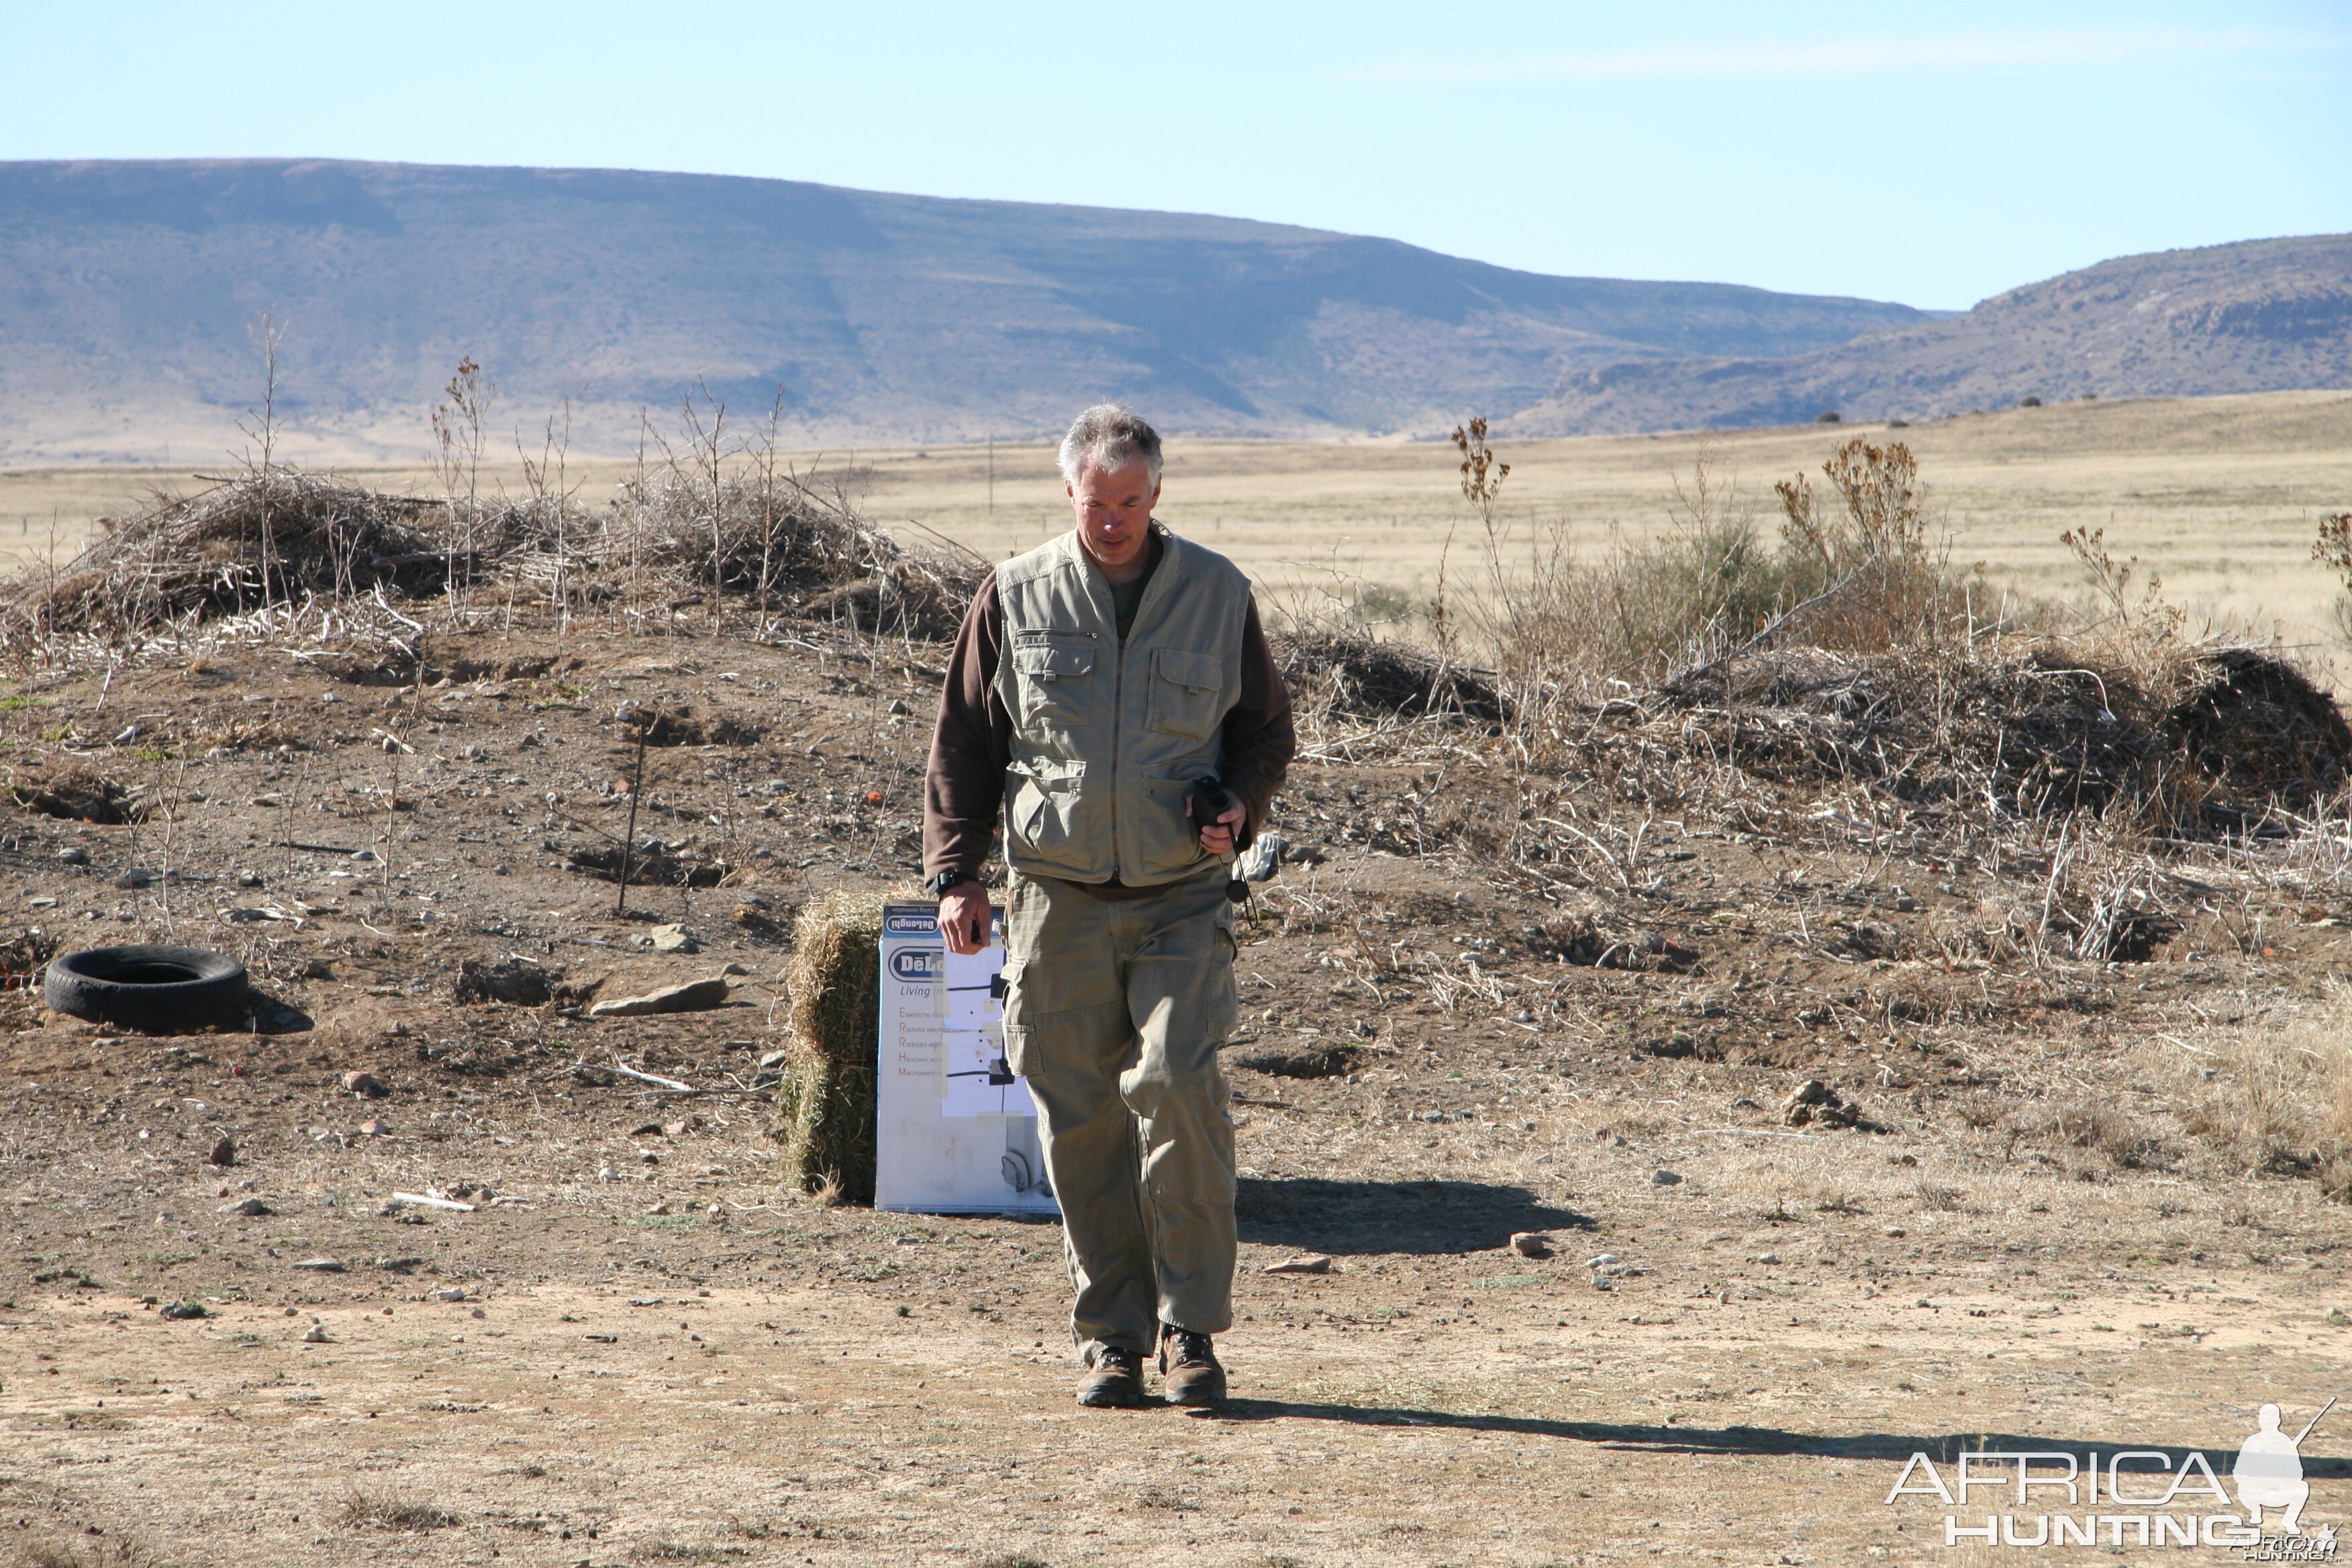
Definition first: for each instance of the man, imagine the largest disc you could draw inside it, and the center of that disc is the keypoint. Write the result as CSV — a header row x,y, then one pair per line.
x,y
1096,681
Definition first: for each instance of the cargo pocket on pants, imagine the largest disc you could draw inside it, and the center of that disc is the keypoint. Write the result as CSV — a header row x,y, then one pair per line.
x,y
1016,1032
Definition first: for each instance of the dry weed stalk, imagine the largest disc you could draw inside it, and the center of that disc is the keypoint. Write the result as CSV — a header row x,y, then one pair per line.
x,y
457,423
1482,483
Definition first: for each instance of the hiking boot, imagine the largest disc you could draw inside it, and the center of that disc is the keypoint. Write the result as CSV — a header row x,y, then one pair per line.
x,y
1188,1371
1114,1381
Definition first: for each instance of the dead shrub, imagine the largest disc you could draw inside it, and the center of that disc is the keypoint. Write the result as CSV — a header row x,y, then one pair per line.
x,y
2108,1130
679,727
1641,610
1941,1199
2258,730
392,1511
1852,656
518,981
2275,1095
652,864
2228,733
80,794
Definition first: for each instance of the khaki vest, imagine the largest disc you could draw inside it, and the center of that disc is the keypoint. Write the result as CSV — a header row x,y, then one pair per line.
x,y
1107,737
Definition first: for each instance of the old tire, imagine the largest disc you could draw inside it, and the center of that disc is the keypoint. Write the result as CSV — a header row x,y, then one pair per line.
x,y
160,990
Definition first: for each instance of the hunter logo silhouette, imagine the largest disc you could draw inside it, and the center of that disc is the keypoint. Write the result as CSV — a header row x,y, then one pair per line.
x,y
2269,1471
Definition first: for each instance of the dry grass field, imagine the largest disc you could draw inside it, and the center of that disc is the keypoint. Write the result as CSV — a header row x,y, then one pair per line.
x,y
2219,496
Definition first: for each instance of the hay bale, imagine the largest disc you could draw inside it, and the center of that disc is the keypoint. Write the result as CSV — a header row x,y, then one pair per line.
x,y
824,1098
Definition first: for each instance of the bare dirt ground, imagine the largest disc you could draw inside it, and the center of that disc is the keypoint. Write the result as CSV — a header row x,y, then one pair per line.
x,y
2063,1220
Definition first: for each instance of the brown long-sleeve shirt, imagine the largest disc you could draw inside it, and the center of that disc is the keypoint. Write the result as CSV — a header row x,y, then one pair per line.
x,y
963,787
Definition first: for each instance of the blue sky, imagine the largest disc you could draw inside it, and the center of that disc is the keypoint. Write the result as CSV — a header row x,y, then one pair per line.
x,y
1929,152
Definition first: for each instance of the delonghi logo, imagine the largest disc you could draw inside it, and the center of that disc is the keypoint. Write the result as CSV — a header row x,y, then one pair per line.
x,y
917,965
2168,1499
909,923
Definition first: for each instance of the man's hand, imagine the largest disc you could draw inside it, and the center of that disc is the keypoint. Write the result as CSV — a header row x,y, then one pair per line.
x,y
963,917
1219,836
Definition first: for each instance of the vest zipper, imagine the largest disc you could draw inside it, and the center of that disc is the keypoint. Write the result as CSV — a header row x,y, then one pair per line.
x,y
1118,691
1118,730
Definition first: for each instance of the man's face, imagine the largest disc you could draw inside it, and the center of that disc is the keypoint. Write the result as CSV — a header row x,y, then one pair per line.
x,y
1114,508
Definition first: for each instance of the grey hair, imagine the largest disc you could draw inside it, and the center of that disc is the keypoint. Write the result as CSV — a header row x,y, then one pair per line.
x,y
1109,435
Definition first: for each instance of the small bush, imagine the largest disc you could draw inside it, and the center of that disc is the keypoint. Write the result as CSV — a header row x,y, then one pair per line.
x,y
1829,416
1866,576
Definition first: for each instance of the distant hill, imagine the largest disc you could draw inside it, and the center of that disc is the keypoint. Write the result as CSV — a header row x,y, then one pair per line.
x,y
2264,316
128,289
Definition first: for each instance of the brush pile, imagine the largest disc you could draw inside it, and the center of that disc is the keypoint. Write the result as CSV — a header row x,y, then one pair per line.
x,y
1345,672
281,539
798,541
275,539
2207,738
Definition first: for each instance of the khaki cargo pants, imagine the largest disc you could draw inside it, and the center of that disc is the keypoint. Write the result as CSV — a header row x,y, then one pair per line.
x,y
1114,1011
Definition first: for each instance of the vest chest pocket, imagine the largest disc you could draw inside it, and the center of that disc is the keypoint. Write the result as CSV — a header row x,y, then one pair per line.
x,y
1188,691
1050,680
1042,812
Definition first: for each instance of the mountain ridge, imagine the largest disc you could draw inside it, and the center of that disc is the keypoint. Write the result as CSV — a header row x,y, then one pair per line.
x,y
128,289
2265,315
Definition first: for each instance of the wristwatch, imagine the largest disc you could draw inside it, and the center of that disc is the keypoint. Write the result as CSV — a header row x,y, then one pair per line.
x,y
939,884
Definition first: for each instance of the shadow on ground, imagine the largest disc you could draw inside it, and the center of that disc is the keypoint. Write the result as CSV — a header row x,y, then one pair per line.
x,y
1432,1216
1759,1441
